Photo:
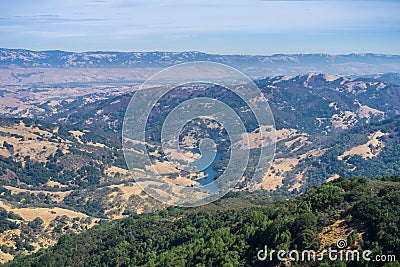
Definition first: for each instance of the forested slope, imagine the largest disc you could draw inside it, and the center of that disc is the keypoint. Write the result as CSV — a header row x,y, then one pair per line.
x,y
230,232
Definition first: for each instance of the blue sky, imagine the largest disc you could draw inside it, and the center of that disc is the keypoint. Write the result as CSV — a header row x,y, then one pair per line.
x,y
214,26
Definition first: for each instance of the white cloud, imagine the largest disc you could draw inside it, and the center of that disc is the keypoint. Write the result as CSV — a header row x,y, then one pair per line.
x,y
102,21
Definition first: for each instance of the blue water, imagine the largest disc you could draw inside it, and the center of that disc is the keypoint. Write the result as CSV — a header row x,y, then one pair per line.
x,y
206,157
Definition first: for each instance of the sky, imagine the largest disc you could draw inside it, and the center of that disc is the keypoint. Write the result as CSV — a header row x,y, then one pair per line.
x,y
261,27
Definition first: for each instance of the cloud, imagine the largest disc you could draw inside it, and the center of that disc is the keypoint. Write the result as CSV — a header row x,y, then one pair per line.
x,y
268,16
54,34
145,21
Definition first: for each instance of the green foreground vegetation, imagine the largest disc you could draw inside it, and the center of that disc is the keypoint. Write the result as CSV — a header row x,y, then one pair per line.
x,y
232,230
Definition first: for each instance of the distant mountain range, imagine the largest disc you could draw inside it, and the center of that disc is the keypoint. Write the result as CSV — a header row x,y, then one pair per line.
x,y
279,64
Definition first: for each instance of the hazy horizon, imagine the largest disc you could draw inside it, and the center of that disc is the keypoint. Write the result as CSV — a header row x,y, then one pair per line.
x,y
203,52
255,27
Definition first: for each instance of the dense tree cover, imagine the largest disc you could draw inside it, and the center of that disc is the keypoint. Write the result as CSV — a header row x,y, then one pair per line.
x,y
228,234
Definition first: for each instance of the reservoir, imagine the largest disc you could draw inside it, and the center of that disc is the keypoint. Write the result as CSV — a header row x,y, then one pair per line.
x,y
206,157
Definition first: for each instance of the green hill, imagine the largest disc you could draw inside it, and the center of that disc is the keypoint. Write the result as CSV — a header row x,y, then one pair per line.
x,y
230,232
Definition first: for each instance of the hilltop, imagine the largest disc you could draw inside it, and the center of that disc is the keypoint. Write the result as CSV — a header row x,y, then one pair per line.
x,y
230,232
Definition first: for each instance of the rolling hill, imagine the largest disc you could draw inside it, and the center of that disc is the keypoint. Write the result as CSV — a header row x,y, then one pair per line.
x,y
62,168
363,214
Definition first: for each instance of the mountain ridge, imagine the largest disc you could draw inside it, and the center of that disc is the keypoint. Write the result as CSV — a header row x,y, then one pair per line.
x,y
256,65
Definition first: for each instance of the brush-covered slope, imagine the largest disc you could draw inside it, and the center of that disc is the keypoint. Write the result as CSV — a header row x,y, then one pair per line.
x,y
231,231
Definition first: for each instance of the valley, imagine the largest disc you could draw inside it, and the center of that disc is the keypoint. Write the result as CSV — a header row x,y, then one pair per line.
x,y
62,165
